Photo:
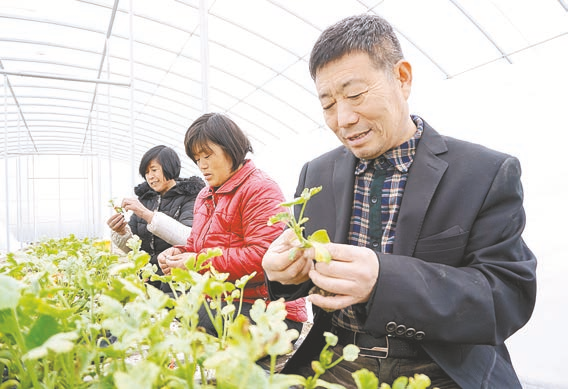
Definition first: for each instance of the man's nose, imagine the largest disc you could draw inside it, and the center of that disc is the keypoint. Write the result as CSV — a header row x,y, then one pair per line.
x,y
346,115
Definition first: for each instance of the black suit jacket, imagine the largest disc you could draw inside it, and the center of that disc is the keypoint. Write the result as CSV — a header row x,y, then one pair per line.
x,y
460,278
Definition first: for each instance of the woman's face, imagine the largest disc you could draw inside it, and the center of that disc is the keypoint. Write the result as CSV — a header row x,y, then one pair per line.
x,y
214,163
155,178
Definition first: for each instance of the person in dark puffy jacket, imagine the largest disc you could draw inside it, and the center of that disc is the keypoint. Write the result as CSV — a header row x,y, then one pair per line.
x,y
163,211
232,212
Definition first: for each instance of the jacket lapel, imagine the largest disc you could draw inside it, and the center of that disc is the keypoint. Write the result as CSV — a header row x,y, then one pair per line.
x,y
423,179
343,181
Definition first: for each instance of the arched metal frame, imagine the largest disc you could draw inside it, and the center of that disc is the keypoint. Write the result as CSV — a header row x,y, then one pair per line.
x,y
109,79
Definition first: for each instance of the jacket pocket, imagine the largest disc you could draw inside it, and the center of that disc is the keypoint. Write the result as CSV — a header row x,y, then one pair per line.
x,y
445,247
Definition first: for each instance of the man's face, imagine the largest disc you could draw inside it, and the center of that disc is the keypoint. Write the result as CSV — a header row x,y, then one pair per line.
x,y
364,106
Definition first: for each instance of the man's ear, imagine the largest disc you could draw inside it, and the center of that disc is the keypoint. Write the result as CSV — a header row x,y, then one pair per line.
x,y
403,73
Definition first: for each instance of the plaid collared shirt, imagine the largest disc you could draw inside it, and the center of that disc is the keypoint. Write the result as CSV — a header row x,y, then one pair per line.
x,y
394,165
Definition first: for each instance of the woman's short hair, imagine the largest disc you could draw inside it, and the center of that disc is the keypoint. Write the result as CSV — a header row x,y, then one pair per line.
x,y
166,157
218,129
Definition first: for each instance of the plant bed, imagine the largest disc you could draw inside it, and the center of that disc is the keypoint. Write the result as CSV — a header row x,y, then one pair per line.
x,y
74,314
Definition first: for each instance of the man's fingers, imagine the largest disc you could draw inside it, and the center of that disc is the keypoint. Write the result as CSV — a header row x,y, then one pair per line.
x,y
284,242
338,269
331,303
342,286
342,252
299,268
344,279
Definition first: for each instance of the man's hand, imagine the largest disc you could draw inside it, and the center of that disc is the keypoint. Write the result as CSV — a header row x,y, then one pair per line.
x,y
277,263
350,277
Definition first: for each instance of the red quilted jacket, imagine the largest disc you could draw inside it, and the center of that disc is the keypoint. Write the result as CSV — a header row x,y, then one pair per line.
x,y
234,218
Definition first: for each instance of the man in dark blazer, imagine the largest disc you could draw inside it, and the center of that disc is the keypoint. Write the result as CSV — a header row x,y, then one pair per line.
x,y
430,273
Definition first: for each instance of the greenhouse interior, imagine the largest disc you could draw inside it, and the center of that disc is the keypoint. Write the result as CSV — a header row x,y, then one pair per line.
x,y
90,85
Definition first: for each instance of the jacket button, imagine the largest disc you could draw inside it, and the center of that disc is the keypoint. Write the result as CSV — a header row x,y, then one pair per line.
x,y
400,330
419,335
410,332
390,327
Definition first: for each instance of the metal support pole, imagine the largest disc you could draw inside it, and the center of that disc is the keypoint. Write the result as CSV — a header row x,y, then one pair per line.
x,y
6,184
63,78
204,33
133,163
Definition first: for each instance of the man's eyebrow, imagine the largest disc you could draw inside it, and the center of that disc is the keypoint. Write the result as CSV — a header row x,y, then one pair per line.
x,y
324,95
346,84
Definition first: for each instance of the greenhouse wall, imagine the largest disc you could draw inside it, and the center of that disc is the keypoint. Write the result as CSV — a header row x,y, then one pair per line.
x,y
52,196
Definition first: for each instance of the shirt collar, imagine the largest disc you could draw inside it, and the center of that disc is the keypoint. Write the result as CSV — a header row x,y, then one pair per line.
x,y
401,157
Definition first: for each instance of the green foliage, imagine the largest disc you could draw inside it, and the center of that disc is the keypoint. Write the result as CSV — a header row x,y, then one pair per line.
x,y
419,381
117,208
317,239
73,314
325,362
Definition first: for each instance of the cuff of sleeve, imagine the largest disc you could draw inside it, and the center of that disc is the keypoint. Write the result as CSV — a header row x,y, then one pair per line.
x,y
369,303
181,247
152,226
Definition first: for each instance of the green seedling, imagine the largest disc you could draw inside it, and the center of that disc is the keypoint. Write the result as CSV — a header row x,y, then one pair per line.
x,y
326,362
62,299
315,240
117,208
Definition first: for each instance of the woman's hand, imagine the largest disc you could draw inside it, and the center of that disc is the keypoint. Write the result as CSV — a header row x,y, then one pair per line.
x,y
134,205
117,223
170,258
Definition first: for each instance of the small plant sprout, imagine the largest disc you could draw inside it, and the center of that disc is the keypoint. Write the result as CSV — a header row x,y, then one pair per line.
x,y
117,208
419,381
317,239
326,362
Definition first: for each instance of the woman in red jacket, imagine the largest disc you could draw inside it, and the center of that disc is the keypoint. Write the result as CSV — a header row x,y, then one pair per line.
x,y
232,212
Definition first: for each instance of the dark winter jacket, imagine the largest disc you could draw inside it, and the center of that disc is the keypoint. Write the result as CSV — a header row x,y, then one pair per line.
x,y
177,203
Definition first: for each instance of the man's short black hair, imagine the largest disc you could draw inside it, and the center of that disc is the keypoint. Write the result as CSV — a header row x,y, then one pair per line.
x,y
365,33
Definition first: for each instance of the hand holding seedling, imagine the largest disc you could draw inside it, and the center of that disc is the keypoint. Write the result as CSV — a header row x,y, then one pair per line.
x,y
347,279
290,257
134,205
301,251
116,221
317,239
277,264
117,208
